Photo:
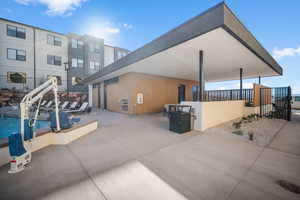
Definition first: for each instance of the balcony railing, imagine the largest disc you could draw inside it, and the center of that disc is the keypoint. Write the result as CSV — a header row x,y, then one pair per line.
x,y
227,95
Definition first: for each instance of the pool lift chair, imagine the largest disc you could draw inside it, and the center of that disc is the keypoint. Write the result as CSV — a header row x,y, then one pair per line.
x,y
19,143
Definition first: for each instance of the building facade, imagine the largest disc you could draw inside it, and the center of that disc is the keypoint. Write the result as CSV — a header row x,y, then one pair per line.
x,y
88,55
29,55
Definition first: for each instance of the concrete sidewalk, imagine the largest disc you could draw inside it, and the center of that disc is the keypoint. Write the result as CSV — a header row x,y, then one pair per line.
x,y
288,140
197,165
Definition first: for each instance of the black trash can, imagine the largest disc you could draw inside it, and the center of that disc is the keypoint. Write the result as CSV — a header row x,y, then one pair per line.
x,y
180,118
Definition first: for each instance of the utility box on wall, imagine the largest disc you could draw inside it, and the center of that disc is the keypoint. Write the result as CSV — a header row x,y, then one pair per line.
x,y
140,98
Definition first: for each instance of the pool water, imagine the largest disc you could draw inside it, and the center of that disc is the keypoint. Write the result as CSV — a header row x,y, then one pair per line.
x,y
9,125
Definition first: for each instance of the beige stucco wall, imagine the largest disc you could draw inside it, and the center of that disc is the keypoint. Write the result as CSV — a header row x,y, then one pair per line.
x,y
157,91
115,92
251,110
210,114
218,112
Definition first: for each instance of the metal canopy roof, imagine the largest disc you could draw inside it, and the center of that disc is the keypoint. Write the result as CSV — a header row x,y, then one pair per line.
x,y
226,42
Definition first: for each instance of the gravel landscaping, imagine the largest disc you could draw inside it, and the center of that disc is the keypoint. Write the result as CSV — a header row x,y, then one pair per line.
x,y
260,131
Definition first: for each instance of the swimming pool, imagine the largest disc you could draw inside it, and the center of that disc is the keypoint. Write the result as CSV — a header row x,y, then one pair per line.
x,y
9,125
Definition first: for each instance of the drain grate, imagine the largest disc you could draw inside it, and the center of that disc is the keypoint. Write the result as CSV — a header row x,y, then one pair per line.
x,y
289,186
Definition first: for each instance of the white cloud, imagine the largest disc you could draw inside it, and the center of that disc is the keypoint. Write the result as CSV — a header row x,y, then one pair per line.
x,y
280,53
127,26
106,30
56,7
24,2
111,30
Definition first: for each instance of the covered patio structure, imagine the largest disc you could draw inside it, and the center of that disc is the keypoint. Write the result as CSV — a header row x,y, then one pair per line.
x,y
213,46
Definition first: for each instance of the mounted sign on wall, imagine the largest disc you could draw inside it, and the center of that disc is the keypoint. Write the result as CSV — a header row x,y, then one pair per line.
x,y
140,98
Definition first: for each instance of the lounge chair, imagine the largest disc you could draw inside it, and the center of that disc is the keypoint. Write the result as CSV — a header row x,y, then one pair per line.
x,y
44,103
83,108
64,105
48,105
73,105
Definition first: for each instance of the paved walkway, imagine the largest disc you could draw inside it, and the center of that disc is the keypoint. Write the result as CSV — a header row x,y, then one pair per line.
x,y
199,166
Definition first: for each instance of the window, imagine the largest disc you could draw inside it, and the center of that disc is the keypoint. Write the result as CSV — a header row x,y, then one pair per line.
x,y
74,62
57,77
14,31
53,40
297,98
50,39
11,54
14,54
57,60
16,77
92,48
97,65
50,60
80,62
11,31
77,43
53,60
74,43
57,41
95,48
92,65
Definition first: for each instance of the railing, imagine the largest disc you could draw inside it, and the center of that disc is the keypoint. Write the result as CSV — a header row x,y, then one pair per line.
x,y
26,84
227,95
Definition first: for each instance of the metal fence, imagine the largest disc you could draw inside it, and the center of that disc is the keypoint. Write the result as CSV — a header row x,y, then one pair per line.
x,y
276,102
12,92
27,84
226,95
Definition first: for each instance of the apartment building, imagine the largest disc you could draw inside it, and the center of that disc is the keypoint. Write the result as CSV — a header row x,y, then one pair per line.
x,y
88,55
29,55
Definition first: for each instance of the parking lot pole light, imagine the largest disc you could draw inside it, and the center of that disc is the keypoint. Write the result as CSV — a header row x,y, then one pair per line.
x,y
67,68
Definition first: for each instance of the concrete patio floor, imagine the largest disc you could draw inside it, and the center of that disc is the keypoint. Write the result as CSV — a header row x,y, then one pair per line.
x,y
199,166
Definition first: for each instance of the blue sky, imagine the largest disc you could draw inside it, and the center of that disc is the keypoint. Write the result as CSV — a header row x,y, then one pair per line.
x,y
133,23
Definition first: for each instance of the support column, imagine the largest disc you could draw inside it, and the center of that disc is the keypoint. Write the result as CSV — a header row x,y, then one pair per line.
x,y
259,80
102,95
201,87
241,83
90,95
